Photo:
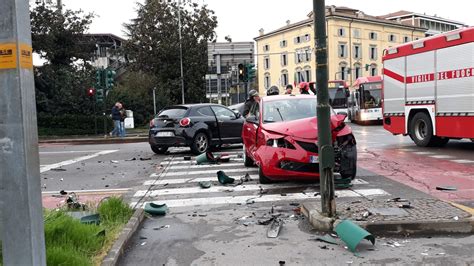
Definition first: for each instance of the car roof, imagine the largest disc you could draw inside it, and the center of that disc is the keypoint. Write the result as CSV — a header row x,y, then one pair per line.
x,y
288,96
194,105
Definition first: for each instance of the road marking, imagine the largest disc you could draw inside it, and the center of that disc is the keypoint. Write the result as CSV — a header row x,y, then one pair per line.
x,y
75,160
263,198
194,163
179,167
62,152
187,173
78,191
441,156
356,181
424,152
406,150
462,161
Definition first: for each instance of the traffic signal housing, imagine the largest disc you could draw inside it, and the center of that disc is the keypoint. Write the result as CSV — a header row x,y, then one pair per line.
x,y
249,72
241,72
99,96
110,78
98,78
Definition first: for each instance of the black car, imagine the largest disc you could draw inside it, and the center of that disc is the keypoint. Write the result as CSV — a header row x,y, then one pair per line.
x,y
238,107
198,126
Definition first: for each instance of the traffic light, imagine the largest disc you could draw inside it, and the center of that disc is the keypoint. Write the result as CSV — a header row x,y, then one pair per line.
x,y
90,92
98,78
99,96
249,72
241,72
110,78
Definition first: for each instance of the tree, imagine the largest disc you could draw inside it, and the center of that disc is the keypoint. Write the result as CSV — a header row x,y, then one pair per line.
x,y
153,46
61,83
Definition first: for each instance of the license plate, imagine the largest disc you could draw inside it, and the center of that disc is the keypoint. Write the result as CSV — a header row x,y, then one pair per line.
x,y
165,134
313,159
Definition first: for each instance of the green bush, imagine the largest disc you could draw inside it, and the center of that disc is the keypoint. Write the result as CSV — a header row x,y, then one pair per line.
x,y
71,124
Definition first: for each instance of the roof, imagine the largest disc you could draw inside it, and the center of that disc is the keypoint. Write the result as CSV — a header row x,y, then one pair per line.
x,y
110,35
405,13
287,96
396,14
341,12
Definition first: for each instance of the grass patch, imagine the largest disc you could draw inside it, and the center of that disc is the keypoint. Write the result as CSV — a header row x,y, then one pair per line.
x,y
70,242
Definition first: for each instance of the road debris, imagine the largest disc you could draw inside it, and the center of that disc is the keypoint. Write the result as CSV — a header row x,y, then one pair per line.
x,y
281,262
187,158
145,159
456,218
397,199
114,161
245,178
405,206
206,157
224,179
143,243
62,192
327,239
446,188
61,179
352,234
274,228
205,184
58,169
132,159
72,202
162,227
156,209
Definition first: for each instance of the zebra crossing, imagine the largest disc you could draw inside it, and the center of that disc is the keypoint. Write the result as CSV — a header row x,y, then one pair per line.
x,y
177,185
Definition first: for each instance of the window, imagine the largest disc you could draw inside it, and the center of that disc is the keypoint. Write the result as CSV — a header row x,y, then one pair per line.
x,y
342,50
341,32
307,74
205,111
357,51
343,71
298,39
307,37
373,36
299,56
357,71
284,79
356,33
307,54
266,62
298,75
373,52
266,48
223,112
266,80
284,59
406,39
392,38
283,43
373,70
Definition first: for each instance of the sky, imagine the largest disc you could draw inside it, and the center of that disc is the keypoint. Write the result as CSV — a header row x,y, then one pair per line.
x,y
242,19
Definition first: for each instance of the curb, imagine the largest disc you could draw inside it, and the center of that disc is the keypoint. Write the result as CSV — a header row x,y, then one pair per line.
x,y
122,241
420,227
95,141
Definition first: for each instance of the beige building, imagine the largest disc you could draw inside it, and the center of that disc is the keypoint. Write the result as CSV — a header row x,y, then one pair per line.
x,y
355,47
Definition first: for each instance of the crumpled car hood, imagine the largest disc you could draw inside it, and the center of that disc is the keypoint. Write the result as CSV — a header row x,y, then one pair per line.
x,y
306,128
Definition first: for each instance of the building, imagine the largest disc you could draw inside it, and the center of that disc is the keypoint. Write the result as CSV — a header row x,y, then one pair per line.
x,y
356,42
433,24
107,54
222,83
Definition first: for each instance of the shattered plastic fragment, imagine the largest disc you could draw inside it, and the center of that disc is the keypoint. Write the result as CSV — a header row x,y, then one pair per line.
x,y
352,234
156,209
274,228
327,239
449,188
205,184
224,179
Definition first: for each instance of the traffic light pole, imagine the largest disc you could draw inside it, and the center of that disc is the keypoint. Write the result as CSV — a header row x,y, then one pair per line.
x,y
326,150
21,213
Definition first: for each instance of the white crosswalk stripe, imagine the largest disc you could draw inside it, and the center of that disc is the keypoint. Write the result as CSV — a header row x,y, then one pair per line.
x,y
177,185
462,161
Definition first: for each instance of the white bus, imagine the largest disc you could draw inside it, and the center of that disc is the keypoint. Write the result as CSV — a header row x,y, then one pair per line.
x,y
365,100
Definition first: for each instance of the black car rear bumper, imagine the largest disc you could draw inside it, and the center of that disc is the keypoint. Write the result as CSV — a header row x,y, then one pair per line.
x,y
181,138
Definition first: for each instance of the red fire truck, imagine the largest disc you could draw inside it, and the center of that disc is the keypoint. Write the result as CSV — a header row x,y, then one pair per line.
x,y
428,88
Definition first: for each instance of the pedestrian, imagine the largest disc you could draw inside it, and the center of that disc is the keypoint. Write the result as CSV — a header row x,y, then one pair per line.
x,y
123,115
116,118
304,88
273,90
253,99
289,89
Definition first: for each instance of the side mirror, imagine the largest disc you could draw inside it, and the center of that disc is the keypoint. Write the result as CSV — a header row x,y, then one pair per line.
x,y
252,119
237,113
341,116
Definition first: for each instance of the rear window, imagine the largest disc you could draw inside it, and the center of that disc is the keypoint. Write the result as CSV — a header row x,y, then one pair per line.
x,y
174,112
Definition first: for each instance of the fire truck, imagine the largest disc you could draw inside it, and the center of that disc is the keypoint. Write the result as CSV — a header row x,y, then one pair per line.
x,y
428,88
365,100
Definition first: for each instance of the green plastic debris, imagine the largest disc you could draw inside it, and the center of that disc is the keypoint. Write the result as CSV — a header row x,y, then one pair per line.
x,y
91,219
352,234
156,209
205,184
327,238
340,186
342,180
224,179
204,158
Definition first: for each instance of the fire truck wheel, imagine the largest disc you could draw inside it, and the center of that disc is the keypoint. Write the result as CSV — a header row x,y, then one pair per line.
x,y
421,130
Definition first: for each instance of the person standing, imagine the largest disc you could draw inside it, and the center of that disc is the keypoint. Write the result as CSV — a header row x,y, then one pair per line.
x,y
123,115
116,118
289,89
254,98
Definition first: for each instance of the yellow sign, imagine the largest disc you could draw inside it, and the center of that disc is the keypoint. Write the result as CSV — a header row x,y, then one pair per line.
x,y
26,56
7,55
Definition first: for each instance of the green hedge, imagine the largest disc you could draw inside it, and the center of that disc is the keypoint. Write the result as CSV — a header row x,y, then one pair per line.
x,y
71,124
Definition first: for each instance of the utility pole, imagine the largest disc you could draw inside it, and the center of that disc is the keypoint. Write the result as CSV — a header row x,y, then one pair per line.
x,y
180,52
325,148
154,101
21,218
219,83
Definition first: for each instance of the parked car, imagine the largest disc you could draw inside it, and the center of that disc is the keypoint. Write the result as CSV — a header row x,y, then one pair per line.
x,y
237,107
280,136
198,126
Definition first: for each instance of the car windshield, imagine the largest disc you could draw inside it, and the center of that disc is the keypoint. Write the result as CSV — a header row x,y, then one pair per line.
x,y
372,95
337,97
289,109
174,112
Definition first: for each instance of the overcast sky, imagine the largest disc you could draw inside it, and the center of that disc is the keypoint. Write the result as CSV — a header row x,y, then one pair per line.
x,y
241,19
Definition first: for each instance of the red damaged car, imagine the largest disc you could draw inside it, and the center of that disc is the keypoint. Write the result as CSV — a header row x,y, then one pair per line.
x,y
280,136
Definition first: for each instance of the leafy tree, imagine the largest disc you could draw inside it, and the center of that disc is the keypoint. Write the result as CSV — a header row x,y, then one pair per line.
x,y
61,83
153,46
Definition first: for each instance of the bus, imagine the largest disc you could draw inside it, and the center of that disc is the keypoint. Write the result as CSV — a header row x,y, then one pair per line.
x,y
338,96
365,100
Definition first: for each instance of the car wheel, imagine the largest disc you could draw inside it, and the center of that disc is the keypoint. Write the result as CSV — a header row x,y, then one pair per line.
x,y
421,130
200,143
158,149
262,178
248,162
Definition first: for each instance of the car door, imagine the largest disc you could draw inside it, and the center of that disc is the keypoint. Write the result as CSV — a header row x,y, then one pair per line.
x,y
250,130
207,116
229,124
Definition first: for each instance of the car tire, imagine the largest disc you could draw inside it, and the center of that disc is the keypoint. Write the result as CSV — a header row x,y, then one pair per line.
x,y
200,143
248,162
158,149
421,130
262,178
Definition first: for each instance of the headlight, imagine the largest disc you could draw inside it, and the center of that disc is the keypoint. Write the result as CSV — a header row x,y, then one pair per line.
x,y
280,143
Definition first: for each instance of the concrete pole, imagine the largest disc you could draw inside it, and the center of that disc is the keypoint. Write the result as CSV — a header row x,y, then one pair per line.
x,y
22,227
154,101
180,52
326,150
219,85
